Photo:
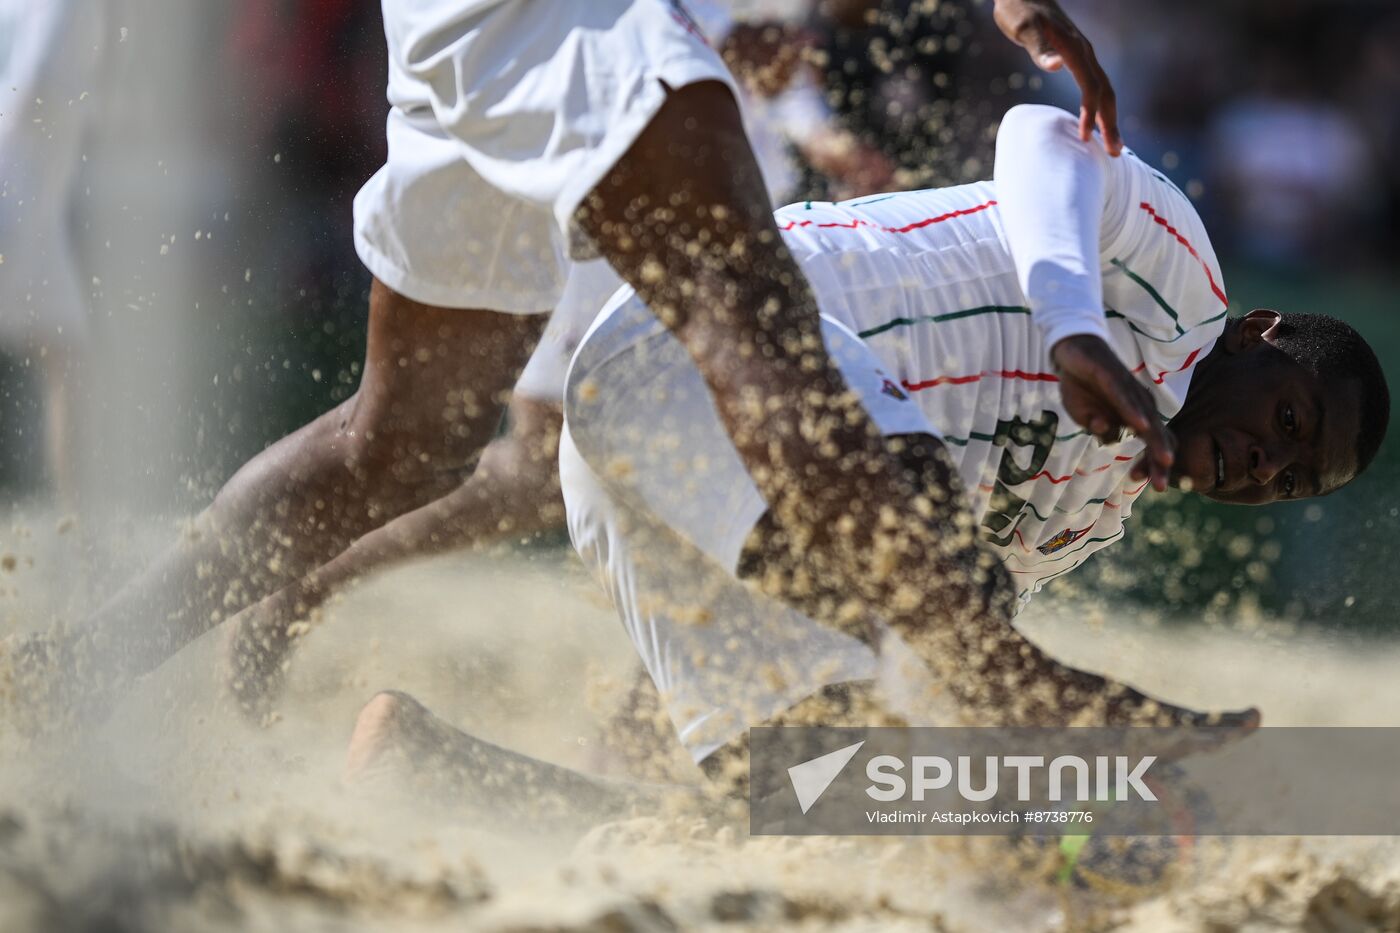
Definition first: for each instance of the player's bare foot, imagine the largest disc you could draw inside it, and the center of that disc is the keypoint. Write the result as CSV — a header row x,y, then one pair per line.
x,y
399,745
390,733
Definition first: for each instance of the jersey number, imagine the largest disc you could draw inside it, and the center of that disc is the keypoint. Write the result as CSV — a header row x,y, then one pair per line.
x,y
1004,511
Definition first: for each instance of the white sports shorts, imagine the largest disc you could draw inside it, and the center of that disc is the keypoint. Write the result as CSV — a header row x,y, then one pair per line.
x,y
588,288
660,506
504,117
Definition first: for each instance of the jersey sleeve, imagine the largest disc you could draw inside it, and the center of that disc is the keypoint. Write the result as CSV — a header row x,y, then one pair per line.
x,y
1052,192
1107,247
1163,295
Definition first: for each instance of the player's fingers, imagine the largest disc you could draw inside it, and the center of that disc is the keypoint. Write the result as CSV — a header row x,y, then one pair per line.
x,y
1138,411
1108,116
1078,56
1161,446
1105,425
1160,442
1120,391
1035,36
1161,452
1245,720
1215,730
1086,406
1192,733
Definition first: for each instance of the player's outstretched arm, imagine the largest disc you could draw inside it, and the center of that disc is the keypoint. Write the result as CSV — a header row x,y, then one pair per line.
x,y
1054,42
685,219
956,615
1053,193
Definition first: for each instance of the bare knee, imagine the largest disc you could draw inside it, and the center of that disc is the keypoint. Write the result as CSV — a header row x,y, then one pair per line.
x,y
435,385
385,440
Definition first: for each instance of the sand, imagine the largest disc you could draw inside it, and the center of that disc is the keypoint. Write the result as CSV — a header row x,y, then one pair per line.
x,y
179,814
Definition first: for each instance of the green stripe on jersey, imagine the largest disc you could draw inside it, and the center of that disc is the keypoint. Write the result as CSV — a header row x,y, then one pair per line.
x,y
1147,287
981,436
1170,184
1066,512
876,200
1116,315
941,318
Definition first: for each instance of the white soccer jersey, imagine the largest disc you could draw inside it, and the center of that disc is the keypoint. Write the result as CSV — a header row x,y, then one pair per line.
x,y
941,308
936,283
927,280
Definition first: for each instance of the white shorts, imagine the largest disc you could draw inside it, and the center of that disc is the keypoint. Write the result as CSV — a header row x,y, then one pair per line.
x,y
588,288
504,117
660,505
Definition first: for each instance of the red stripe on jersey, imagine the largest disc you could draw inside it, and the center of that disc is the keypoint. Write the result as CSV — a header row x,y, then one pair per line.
x,y
1162,222
974,377
908,228
1034,377
1056,480
1161,377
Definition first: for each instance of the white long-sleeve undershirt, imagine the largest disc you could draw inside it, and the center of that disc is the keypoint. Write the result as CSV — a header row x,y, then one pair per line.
x,y
1057,195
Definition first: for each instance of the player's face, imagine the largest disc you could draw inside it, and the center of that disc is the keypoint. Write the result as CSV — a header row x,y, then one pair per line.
x,y
1259,428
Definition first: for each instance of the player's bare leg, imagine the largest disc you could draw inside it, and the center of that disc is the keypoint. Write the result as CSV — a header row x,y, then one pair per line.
x,y
684,218
433,391
398,744
513,492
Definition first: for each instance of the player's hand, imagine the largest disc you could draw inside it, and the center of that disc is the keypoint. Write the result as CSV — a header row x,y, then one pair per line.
x,y
1054,42
1174,732
1103,398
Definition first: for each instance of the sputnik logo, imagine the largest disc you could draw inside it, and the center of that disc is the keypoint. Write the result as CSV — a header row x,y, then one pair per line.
x,y
811,778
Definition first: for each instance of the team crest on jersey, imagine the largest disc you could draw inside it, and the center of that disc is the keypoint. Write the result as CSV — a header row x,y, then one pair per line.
x,y
893,390
1062,540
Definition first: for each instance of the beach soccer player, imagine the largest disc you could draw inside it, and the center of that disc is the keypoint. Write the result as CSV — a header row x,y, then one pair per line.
x,y
522,132
952,313
514,491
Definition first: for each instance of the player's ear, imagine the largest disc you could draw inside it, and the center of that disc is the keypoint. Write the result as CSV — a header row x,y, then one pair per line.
x,y
1258,326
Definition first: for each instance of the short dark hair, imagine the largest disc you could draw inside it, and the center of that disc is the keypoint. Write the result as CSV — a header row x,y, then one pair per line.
x,y
1333,351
